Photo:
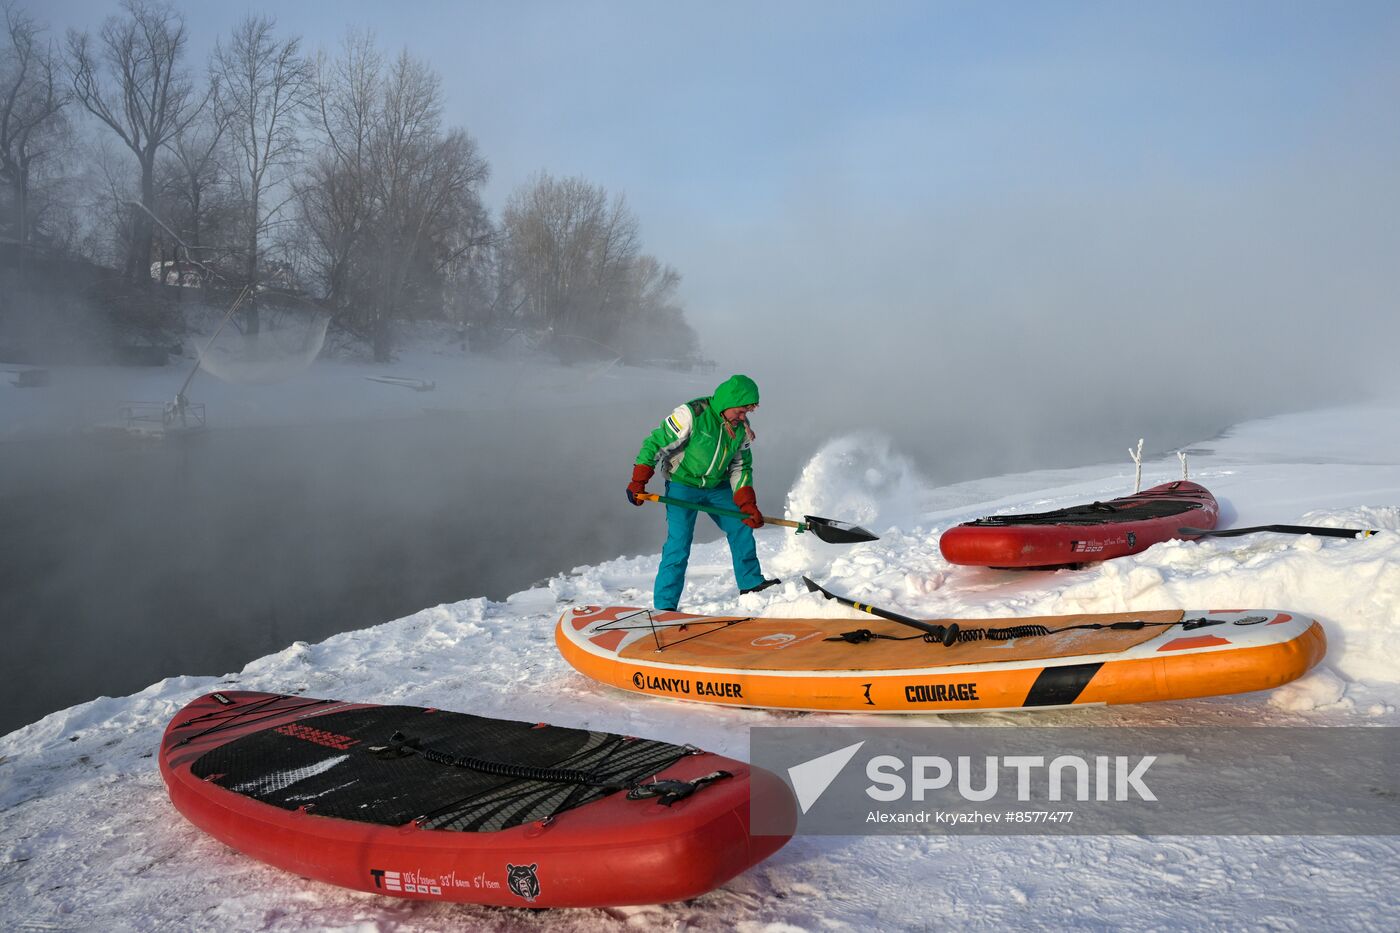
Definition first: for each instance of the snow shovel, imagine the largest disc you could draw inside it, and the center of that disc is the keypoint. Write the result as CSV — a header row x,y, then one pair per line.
x,y
827,529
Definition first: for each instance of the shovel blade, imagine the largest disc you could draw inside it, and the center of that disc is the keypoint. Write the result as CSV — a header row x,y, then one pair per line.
x,y
834,532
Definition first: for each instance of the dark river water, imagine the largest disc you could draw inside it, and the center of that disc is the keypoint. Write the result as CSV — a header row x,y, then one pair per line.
x,y
126,561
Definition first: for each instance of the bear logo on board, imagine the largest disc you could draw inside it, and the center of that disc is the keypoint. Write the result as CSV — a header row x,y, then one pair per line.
x,y
523,880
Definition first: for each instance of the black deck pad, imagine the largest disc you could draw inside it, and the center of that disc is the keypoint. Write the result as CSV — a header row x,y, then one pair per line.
x,y
324,763
1095,513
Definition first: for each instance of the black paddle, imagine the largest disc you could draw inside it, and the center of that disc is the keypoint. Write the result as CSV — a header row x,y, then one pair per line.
x,y
947,634
1280,529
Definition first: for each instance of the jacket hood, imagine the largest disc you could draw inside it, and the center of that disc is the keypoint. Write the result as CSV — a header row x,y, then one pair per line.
x,y
735,391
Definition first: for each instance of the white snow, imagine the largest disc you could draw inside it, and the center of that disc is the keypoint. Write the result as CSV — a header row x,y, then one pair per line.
x,y
88,839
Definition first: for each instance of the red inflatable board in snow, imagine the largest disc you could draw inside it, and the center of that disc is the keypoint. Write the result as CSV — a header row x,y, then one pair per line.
x,y
427,804
1082,533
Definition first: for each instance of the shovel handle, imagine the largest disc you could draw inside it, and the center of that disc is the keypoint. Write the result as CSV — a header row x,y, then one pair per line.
x,y
714,510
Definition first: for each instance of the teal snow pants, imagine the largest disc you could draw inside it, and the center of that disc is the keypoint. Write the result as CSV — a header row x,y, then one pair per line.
x,y
680,531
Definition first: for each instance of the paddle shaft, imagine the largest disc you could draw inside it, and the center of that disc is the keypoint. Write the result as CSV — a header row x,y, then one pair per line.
x,y
946,634
1279,529
715,510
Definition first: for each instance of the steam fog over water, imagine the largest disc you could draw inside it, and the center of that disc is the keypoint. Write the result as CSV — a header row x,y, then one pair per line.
x,y
128,561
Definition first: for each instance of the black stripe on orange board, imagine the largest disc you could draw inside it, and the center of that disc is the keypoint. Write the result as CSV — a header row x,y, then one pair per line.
x,y
1060,686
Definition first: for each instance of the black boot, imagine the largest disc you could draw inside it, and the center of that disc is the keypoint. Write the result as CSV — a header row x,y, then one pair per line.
x,y
762,586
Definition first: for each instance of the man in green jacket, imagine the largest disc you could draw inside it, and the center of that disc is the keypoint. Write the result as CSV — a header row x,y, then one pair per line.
x,y
703,449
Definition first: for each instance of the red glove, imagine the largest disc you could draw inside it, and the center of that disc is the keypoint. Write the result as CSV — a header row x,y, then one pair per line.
x,y
640,474
744,499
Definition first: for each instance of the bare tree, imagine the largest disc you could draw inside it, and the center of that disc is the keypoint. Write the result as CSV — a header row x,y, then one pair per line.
x,y
133,83
614,253
572,251
391,203
110,217
335,197
264,86
423,185
547,226
31,111
471,271
192,172
654,323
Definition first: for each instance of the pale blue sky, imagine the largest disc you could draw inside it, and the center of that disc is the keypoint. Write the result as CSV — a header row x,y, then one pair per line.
x,y
895,178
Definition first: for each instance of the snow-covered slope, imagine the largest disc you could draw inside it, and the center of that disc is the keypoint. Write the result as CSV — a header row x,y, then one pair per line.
x,y
89,840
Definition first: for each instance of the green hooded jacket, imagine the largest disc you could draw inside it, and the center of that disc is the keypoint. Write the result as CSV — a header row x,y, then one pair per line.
x,y
695,446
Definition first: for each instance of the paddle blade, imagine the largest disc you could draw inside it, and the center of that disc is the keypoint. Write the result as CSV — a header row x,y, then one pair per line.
x,y
834,532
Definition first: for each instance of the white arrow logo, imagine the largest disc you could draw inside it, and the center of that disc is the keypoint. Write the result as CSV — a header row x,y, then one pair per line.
x,y
811,778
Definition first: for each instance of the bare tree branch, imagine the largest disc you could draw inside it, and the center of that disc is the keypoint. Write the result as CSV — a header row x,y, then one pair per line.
x,y
133,83
265,86
31,111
